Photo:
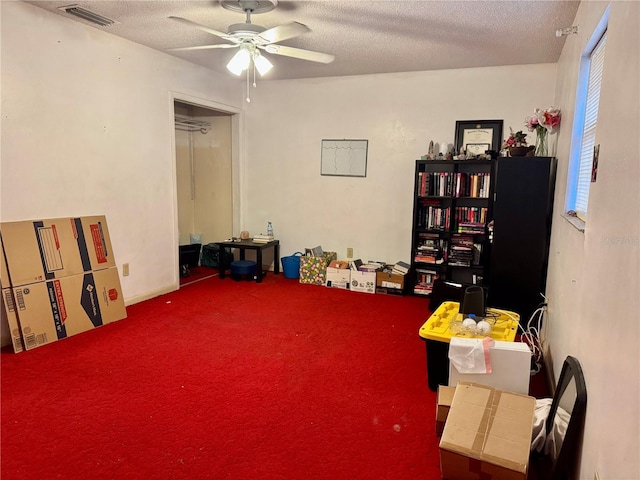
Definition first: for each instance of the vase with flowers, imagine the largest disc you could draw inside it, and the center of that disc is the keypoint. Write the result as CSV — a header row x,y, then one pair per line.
x,y
516,144
543,122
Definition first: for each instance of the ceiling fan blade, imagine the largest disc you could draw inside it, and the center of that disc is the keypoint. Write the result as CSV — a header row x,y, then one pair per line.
x,y
299,53
201,27
203,47
282,32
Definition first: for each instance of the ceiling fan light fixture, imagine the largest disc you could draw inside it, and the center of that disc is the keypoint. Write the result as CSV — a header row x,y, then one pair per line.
x,y
263,65
239,62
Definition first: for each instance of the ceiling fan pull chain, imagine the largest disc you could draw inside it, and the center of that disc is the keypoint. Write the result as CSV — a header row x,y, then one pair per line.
x,y
248,91
253,64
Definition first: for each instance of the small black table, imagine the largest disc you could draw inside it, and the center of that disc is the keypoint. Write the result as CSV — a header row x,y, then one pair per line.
x,y
249,244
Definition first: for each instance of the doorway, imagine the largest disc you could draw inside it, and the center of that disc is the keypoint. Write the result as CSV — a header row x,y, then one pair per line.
x,y
204,184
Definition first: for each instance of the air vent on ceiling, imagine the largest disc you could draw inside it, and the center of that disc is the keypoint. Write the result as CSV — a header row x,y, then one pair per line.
x,y
87,15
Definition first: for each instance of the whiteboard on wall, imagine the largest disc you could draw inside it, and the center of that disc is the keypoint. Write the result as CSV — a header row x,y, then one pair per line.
x,y
344,158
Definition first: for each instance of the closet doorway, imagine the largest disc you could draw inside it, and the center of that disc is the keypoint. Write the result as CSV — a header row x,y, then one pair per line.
x,y
204,183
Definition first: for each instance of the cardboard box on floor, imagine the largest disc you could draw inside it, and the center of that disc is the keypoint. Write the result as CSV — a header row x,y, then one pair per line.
x,y
8,307
389,280
338,274
56,309
59,279
487,435
38,250
364,282
9,312
445,397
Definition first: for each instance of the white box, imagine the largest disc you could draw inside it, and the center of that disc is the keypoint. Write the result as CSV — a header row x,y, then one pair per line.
x,y
338,278
364,282
510,368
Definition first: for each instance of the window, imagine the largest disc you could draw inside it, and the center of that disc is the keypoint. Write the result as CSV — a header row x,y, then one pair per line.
x,y
585,121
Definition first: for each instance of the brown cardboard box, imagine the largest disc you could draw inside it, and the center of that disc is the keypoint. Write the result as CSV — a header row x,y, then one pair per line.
x,y
38,250
8,307
55,309
389,280
445,397
9,312
338,274
487,435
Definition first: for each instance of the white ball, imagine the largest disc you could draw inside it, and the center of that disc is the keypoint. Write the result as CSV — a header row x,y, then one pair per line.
x,y
469,324
484,328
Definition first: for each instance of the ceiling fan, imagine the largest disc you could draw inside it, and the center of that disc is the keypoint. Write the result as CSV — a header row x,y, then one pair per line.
x,y
250,39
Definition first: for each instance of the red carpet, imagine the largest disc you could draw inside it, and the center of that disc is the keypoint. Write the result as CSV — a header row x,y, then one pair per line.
x,y
229,380
198,273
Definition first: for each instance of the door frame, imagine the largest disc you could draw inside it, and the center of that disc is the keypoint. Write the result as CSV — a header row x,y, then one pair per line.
x,y
236,156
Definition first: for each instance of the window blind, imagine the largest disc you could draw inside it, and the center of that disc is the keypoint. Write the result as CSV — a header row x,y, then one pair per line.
x,y
596,67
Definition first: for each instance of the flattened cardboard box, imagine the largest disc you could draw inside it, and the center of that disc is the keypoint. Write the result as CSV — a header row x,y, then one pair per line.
x,y
59,308
38,250
487,435
9,311
8,307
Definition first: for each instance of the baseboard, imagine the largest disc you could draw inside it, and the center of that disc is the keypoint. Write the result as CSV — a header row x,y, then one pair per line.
x,y
149,295
548,370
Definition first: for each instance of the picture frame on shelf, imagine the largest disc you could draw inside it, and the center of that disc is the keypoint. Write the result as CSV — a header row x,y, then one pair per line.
x,y
473,135
477,148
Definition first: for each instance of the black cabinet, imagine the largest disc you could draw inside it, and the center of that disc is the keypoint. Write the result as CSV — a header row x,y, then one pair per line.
x,y
522,212
452,207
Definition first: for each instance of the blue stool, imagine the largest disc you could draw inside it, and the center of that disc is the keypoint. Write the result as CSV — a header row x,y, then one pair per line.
x,y
243,267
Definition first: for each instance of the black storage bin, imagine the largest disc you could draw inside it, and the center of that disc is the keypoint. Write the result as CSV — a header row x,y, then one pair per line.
x,y
189,255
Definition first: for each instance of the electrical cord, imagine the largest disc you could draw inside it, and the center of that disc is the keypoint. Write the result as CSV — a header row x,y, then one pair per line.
x,y
531,334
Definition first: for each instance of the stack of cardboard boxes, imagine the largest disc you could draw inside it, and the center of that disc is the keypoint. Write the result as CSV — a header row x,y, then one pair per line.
x,y
59,278
486,433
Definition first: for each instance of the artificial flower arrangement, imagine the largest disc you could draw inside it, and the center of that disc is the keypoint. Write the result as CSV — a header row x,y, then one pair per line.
x,y
515,139
543,122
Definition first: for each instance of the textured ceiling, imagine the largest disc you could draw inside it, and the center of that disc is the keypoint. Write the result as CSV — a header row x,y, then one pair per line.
x,y
366,37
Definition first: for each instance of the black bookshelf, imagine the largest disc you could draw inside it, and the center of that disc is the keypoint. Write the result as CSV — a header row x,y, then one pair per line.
x,y
452,208
522,213
513,234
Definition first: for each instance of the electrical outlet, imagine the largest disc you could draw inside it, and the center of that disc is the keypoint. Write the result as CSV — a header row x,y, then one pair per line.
x,y
349,252
125,269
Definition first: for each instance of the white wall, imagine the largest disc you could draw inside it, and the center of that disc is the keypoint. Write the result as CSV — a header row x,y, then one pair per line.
x,y
87,128
207,210
399,114
593,280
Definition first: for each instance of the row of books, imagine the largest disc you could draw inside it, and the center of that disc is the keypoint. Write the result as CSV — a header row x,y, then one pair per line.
x,y
471,215
434,217
447,184
424,281
462,251
467,219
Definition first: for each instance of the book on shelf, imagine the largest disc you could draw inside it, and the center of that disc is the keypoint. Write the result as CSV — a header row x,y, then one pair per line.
x,y
461,251
424,281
